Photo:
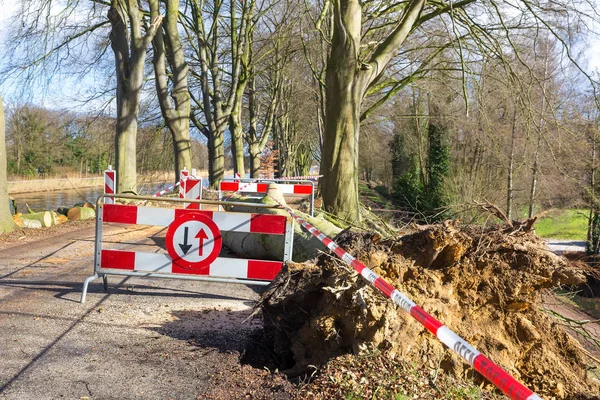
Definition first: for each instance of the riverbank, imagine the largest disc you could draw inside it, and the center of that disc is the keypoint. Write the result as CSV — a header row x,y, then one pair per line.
x,y
46,185
19,186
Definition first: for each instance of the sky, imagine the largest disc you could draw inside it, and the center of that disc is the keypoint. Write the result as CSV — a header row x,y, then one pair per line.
x,y
53,96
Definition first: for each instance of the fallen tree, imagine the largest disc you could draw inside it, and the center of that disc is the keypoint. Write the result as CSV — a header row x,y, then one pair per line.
x,y
485,284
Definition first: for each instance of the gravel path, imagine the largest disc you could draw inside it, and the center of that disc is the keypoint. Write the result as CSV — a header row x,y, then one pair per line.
x,y
144,339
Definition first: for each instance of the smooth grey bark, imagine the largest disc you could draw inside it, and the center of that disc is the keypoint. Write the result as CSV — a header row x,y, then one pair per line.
x,y
130,47
348,79
6,222
174,104
241,53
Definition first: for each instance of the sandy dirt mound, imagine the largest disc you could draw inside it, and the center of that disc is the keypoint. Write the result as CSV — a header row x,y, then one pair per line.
x,y
483,284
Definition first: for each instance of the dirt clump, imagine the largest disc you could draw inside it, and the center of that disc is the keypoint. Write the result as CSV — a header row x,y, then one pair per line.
x,y
483,283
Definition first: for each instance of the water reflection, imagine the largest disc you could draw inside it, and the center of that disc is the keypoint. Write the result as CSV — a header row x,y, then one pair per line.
x,y
42,201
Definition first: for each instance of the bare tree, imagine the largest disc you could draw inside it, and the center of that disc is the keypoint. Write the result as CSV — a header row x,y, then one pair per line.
x,y
221,75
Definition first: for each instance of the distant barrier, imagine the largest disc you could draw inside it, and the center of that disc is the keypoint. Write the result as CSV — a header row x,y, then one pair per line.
x,y
110,184
191,188
260,186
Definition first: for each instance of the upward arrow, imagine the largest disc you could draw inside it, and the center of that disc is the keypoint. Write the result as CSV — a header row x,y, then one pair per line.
x,y
201,236
185,247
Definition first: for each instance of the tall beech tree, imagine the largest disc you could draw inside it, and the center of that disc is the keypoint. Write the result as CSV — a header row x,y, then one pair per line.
x,y
370,55
348,78
130,45
174,103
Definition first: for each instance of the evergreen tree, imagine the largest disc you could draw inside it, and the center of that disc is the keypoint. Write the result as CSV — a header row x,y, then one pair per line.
x,y
438,167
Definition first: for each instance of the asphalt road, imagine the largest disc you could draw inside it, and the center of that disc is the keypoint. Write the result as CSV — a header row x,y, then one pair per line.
x,y
559,246
130,343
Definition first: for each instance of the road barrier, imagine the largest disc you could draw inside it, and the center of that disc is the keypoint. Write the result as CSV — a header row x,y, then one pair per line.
x,y
259,186
110,184
191,188
491,371
193,243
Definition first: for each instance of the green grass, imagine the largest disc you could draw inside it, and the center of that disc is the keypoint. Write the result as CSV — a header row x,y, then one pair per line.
x,y
563,224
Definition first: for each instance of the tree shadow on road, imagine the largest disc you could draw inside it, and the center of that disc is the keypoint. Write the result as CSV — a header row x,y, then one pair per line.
x,y
225,331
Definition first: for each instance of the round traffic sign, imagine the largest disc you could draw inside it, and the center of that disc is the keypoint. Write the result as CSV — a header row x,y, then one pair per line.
x,y
193,242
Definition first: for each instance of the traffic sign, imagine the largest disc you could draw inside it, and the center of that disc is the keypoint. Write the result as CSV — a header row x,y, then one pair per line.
x,y
193,242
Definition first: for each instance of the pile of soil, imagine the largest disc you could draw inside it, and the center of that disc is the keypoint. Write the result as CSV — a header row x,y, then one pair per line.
x,y
483,283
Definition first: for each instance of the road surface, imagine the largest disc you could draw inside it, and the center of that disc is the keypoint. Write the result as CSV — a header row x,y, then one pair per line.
x,y
138,341
559,246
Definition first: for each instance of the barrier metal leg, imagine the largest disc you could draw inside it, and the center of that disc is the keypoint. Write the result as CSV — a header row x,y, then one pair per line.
x,y
85,286
105,281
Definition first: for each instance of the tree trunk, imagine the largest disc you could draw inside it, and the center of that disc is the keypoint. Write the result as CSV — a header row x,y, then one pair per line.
x,y
535,169
217,173
129,46
7,223
511,163
339,165
592,233
168,48
255,153
347,79
237,137
125,142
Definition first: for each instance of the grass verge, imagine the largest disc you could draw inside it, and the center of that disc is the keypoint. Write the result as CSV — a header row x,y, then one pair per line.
x,y
568,224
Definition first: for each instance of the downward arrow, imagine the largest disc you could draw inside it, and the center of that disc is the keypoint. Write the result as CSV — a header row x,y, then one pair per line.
x,y
185,247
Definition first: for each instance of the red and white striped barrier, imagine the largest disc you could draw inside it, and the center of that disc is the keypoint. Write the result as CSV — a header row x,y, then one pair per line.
x,y
110,183
193,243
491,371
163,264
242,187
191,188
226,221
257,187
183,174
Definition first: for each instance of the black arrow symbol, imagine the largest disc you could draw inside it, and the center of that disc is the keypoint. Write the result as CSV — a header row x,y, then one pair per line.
x,y
185,247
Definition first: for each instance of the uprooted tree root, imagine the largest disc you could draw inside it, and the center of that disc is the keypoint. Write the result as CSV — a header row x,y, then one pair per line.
x,y
484,284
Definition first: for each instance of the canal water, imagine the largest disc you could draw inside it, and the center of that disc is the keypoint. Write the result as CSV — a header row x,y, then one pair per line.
x,y
42,201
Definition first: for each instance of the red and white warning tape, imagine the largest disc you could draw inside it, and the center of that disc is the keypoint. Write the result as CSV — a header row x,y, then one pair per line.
x,y
299,178
500,378
158,194
164,191
240,188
